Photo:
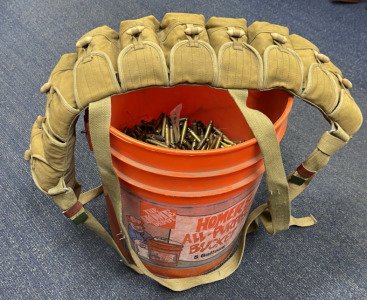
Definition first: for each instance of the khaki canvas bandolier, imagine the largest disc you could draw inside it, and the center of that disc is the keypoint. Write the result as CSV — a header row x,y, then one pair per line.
x,y
223,53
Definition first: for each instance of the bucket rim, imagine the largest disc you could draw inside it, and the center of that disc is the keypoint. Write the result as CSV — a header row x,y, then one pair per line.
x,y
119,134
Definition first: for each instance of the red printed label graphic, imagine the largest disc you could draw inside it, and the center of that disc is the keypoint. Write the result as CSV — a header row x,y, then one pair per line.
x,y
163,257
157,216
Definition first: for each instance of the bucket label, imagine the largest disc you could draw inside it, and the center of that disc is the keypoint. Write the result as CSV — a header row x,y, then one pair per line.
x,y
157,216
184,236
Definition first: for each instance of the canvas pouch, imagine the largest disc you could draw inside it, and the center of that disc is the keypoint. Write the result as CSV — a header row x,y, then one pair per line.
x,y
239,64
185,44
346,114
51,159
314,74
61,98
43,174
282,66
141,62
96,69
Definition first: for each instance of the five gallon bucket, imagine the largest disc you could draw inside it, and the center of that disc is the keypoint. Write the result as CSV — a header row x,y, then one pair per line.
x,y
184,209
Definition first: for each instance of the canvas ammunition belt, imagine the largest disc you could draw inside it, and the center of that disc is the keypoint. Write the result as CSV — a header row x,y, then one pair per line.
x,y
223,53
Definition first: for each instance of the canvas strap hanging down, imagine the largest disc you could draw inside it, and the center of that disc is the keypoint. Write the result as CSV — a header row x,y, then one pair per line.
x,y
277,211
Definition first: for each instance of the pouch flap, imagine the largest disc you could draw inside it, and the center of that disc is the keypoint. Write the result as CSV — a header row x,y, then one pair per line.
x,y
141,63
148,27
185,44
94,79
321,88
57,106
239,64
100,39
347,114
282,66
44,176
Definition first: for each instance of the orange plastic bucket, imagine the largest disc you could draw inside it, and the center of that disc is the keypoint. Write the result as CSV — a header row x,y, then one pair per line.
x,y
183,209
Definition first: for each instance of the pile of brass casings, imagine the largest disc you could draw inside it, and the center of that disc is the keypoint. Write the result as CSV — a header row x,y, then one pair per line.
x,y
171,132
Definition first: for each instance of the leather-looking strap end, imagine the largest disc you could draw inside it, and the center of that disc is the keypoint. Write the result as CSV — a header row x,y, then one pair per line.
x,y
73,213
306,174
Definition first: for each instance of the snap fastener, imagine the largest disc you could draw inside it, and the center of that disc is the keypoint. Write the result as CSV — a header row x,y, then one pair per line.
x,y
39,121
278,37
323,58
27,154
193,30
84,42
236,33
347,83
135,30
45,88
